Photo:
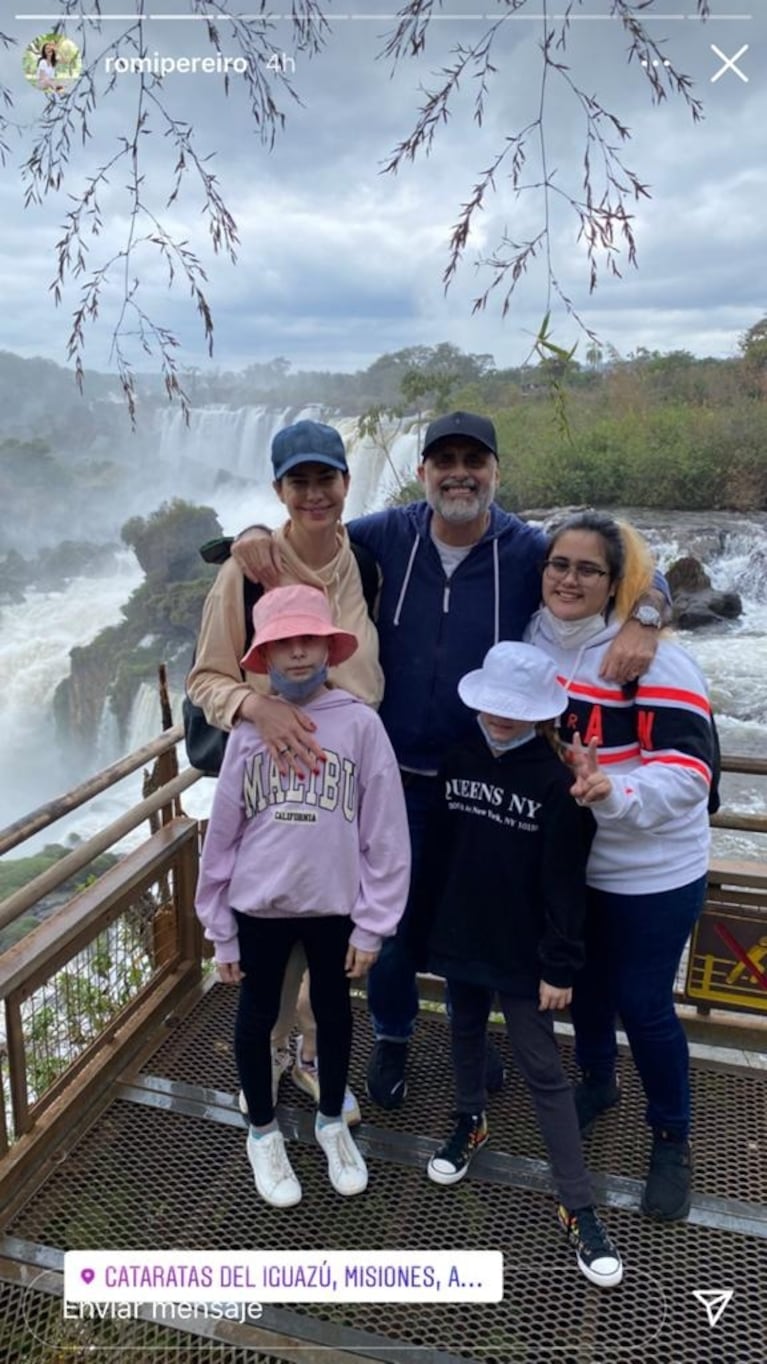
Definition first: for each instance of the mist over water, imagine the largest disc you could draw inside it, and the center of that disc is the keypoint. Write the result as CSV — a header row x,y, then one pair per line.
x,y
221,458
37,635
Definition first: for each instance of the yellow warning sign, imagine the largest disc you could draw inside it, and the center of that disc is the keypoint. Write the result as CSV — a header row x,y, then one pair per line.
x,y
727,963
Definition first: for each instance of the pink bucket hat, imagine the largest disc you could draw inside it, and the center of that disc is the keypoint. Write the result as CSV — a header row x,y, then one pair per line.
x,y
288,611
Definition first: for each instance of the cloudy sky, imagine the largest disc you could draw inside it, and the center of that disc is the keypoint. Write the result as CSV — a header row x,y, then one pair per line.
x,y
338,262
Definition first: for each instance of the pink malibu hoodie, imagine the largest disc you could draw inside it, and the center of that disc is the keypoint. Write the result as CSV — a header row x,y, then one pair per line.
x,y
334,843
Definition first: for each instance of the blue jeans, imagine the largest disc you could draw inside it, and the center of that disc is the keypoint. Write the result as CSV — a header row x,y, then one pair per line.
x,y
633,947
392,990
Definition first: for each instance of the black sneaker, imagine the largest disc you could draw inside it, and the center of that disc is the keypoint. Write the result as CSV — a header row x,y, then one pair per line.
x,y
592,1098
667,1191
495,1073
597,1257
451,1161
386,1082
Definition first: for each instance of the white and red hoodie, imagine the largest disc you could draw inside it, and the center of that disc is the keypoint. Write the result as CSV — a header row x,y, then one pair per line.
x,y
656,742
332,843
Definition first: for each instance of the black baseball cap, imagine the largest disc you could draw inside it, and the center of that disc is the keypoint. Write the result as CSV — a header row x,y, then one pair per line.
x,y
307,442
466,424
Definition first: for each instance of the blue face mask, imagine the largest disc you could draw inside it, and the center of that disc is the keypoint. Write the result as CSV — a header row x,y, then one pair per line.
x,y
506,745
299,691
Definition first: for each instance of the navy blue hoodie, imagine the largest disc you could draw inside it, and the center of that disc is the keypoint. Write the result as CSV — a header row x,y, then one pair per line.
x,y
433,629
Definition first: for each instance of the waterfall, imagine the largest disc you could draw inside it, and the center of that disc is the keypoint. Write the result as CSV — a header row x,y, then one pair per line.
x,y
234,440
223,458
36,637
220,444
107,736
378,469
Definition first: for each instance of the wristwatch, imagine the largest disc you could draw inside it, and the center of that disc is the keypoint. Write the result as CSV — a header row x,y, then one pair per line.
x,y
647,615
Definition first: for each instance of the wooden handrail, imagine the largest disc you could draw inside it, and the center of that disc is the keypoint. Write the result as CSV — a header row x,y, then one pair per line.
x,y
28,895
754,767
54,935
53,810
737,872
733,819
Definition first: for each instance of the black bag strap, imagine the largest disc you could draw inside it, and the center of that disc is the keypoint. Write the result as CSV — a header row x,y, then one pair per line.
x,y
250,594
217,551
370,576
714,798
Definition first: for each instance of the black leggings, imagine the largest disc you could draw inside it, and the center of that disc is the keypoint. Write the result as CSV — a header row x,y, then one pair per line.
x,y
265,946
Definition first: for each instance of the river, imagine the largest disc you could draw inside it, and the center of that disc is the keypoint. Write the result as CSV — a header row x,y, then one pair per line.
x,y
37,635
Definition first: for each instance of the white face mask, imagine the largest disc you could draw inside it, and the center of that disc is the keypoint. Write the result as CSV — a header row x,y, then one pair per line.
x,y
571,634
505,745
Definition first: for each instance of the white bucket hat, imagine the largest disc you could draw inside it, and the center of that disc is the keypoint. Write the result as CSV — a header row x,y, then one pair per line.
x,y
517,681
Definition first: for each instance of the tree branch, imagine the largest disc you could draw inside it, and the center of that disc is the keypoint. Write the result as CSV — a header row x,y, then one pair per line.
x,y
66,121
601,205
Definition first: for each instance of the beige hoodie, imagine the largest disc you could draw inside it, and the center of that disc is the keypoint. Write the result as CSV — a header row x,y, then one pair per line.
x,y
215,681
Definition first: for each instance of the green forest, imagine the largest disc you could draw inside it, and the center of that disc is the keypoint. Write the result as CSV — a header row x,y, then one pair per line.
x,y
653,429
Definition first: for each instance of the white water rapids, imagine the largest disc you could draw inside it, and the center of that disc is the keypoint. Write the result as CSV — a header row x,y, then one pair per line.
x,y
37,635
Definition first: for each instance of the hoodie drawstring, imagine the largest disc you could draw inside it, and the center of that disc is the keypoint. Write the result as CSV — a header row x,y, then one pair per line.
x,y
574,670
497,590
406,579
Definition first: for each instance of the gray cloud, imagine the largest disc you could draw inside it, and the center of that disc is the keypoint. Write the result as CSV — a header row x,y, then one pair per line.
x,y
338,262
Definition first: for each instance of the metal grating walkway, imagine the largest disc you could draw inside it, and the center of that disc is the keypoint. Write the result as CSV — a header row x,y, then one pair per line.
x,y
166,1167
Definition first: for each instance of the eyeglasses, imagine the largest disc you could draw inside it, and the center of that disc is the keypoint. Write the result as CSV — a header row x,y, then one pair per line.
x,y
559,568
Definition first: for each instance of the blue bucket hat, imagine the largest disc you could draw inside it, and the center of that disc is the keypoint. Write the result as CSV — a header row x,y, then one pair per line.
x,y
304,442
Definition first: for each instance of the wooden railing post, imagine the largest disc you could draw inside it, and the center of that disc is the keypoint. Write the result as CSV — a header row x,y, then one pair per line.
x,y
4,1142
17,1063
189,930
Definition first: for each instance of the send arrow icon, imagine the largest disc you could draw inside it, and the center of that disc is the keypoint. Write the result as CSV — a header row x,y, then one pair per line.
x,y
714,1300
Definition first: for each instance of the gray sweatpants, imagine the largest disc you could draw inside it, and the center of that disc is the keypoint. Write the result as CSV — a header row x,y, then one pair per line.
x,y
536,1054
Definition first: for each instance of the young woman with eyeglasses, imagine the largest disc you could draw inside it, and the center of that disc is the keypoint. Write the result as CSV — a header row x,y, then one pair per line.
x,y
643,759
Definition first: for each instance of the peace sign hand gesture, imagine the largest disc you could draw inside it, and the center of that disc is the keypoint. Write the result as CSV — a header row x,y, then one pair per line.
x,y
591,784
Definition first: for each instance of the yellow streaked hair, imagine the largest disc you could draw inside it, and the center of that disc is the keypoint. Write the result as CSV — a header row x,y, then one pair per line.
x,y
637,570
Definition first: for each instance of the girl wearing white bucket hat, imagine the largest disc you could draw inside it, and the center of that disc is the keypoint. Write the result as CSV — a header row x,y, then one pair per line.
x,y
500,910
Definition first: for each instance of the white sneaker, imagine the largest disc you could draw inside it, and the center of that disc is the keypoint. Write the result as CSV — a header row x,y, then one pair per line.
x,y
305,1076
280,1065
347,1170
275,1179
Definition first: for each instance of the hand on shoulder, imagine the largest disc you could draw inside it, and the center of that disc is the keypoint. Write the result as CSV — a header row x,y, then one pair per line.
x,y
257,555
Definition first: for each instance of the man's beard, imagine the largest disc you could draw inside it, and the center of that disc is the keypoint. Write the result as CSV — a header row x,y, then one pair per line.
x,y
459,512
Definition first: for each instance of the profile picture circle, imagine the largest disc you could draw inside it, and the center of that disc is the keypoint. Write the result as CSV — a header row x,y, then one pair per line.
x,y
51,62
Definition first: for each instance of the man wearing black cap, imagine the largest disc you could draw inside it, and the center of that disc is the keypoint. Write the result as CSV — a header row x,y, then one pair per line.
x,y
459,574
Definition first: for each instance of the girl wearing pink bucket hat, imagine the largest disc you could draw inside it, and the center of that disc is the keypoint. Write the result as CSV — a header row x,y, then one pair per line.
x,y
320,858
290,613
